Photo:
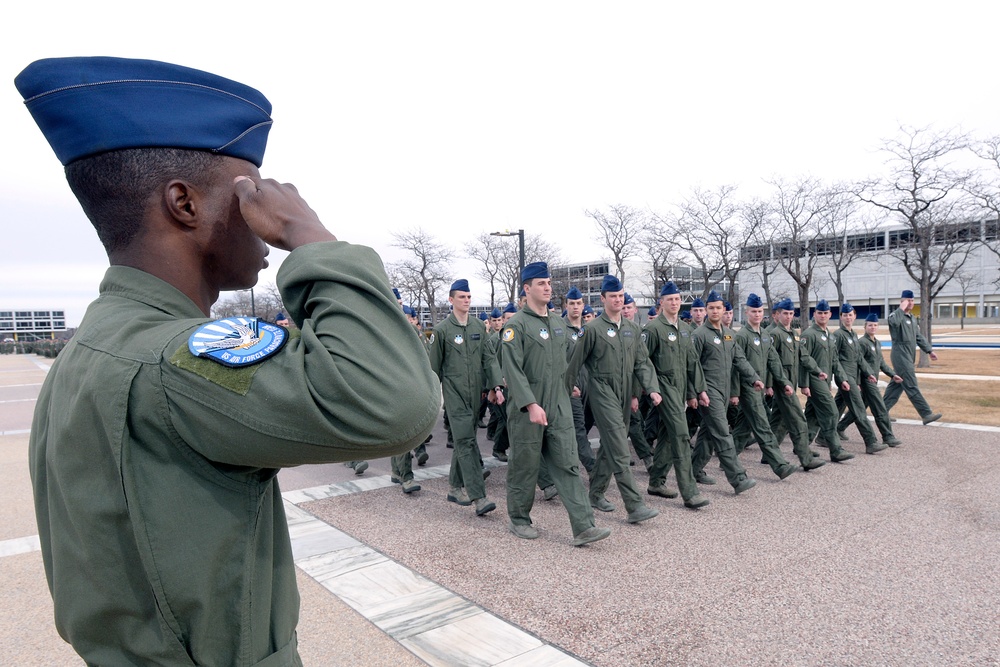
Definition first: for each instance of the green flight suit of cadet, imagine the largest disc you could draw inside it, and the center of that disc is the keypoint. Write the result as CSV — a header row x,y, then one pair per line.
x,y
618,369
534,367
786,411
821,410
578,403
906,338
153,463
402,464
751,416
636,432
872,350
680,378
464,360
857,373
720,356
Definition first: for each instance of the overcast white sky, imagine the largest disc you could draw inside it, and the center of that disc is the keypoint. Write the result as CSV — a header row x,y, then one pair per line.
x,y
465,117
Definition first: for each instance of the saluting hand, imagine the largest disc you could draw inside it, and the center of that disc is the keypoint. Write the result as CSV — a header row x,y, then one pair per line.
x,y
278,215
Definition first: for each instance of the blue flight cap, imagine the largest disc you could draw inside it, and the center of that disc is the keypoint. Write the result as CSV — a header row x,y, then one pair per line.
x,y
460,285
628,298
846,308
495,313
611,284
872,317
907,294
728,305
86,106
587,310
784,304
484,316
669,288
399,296
564,312
550,305
712,296
685,314
510,308
753,301
698,303
408,311
823,306
534,270
652,312
574,293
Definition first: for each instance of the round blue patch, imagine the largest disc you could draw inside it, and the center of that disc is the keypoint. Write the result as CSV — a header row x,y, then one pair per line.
x,y
237,341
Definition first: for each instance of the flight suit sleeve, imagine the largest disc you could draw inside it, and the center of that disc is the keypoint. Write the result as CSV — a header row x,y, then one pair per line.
x,y
643,371
895,320
743,367
921,341
807,365
776,370
696,375
322,397
491,367
435,352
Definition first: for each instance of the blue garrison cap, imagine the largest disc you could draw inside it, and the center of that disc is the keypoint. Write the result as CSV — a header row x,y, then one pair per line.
x,y
872,317
652,312
823,306
728,305
550,305
564,312
698,303
510,308
460,285
753,301
574,293
685,314
784,304
669,288
280,316
712,296
495,313
396,292
587,310
86,106
907,294
484,316
534,270
846,308
611,284
628,298
408,311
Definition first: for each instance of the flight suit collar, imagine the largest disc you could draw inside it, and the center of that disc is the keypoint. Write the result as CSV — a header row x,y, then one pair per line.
x,y
136,285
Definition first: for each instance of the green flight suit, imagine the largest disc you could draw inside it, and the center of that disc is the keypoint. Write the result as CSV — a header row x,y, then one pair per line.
x,y
751,417
578,403
161,523
856,372
719,356
871,348
534,367
618,368
402,464
906,337
465,361
680,378
786,411
821,410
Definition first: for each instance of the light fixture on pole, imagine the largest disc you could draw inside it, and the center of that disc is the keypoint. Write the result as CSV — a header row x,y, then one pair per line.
x,y
520,234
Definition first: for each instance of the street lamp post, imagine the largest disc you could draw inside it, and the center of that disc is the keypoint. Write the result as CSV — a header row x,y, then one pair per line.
x,y
520,235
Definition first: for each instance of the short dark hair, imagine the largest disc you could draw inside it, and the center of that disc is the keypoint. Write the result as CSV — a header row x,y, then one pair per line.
x,y
113,188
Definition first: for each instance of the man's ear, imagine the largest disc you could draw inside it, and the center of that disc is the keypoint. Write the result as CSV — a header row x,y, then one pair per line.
x,y
182,202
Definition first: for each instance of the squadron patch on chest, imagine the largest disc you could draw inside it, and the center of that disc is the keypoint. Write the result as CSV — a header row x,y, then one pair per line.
x,y
717,340
237,341
756,340
458,339
672,337
611,332
543,334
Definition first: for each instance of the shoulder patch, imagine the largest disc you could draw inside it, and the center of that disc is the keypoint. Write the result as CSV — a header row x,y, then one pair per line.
x,y
508,335
237,341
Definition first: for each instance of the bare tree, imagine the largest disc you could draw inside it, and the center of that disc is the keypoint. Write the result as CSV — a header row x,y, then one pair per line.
x,y
536,249
489,251
966,280
263,300
619,229
662,253
426,274
761,220
799,208
985,190
845,228
927,195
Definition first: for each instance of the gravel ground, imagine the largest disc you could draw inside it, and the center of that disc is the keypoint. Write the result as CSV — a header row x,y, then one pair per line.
x,y
887,559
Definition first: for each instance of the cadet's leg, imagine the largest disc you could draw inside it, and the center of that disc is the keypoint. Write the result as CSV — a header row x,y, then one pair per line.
x,y
613,457
824,411
752,409
638,438
501,437
892,393
873,397
673,447
713,420
913,393
857,407
583,448
743,434
544,477
702,453
465,457
402,466
561,459
522,467
788,412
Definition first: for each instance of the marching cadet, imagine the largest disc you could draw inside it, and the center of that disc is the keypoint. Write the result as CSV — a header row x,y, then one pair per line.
x,y
697,313
616,359
574,323
588,314
540,420
751,417
821,410
681,381
856,372
727,316
786,411
636,432
466,364
871,348
720,356
906,337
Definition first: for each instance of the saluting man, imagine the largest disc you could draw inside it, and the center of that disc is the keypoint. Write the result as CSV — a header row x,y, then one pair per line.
x,y
616,360
540,419
821,410
906,337
466,363
856,372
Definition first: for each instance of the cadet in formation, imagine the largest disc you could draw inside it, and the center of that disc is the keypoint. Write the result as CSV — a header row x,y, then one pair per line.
x,y
616,359
872,350
540,418
821,410
574,324
636,433
158,433
466,364
856,372
906,338
681,383
719,355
